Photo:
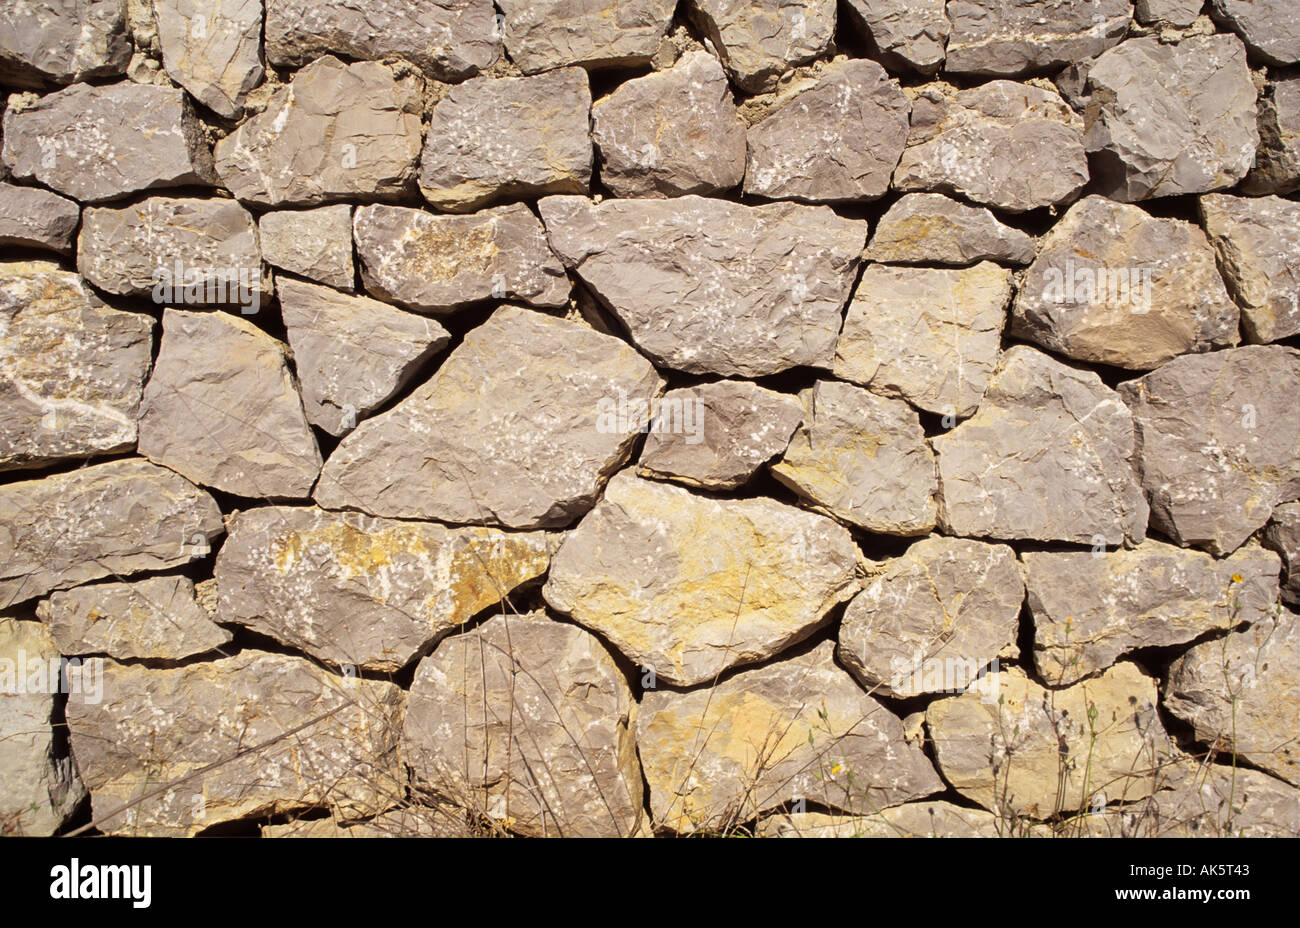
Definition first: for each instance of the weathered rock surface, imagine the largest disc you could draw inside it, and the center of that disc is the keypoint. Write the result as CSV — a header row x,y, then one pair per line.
x,y
927,335
930,228
157,617
1270,27
448,39
708,286
96,143
359,591
337,130
352,353
1258,243
1283,536
315,243
760,41
508,138
717,435
436,264
71,368
907,33
160,726
1171,119
717,756
863,459
1219,801
1048,456
1008,37
1088,609
1114,285
1032,752
222,409
111,519
512,430
411,821
1003,144
671,133
911,820
545,34
689,586
34,218
1174,12
63,41
1219,442
530,722
933,619
1277,159
213,50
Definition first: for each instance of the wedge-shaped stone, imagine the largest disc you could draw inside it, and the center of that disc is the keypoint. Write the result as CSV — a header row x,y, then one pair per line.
x,y
1258,243
63,41
708,286
1270,27
1049,456
1283,536
1007,37
545,34
911,820
909,34
798,729
314,243
1277,159
359,591
688,586
759,40
520,427
213,50
34,218
222,409
930,228
530,722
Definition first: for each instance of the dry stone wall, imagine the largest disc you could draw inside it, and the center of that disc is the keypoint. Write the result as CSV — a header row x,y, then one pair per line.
x,y
447,417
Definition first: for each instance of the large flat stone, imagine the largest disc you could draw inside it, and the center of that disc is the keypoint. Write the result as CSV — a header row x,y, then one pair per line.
x,y
1009,37
930,228
1258,243
31,217
759,40
63,41
213,50
544,34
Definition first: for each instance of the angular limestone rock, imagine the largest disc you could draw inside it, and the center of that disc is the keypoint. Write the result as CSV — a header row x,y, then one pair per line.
x,y
930,228
717,435
927,335
1003,144
436,264
1008,37
34,218
1270,27
708,286
1219,801
213,50
71,368
112,519
63,41
529,722
1088,609
1283,536
911,820
545,34
671,133
907,33
1114,285
933,619
508,138
358,591
520,427
759,40
222,409
1174,12
798,729
97,143
315,243
1049,456
1277,159
689,586
281,733
338,130
1258,243
352,353
412,821
1219,442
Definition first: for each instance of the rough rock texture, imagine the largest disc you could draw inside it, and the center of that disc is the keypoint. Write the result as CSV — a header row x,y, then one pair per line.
x,y
1003,144
1174,12
759,40
97,143
1088,609
1258,243
1048,456
689,586
63,41
838,139
160,726
222,409
413,821
314,243
1007,37
1283,536
1277,159
930,228
153,618
514,429
1221,801
71,368
530,722
1171,119
1270,27
1114,285
912,820
907,33
863,459
213,50
437,264
717,435
1033,751
545,34
352,354
111,519
449,39
1219,442
369,116
671,133
927,335
933,619
34,218
717,756
508,138
707,286
359,591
